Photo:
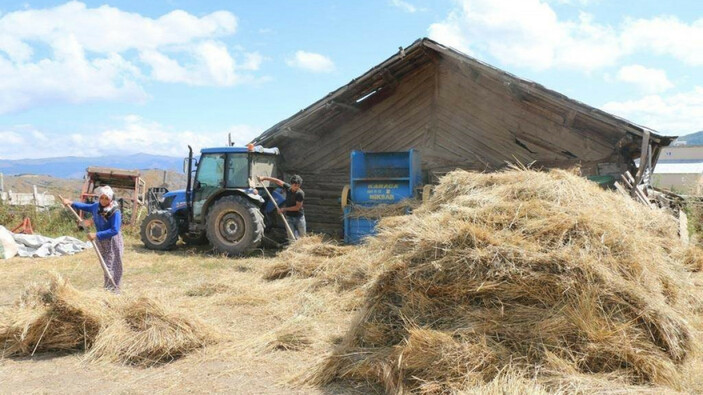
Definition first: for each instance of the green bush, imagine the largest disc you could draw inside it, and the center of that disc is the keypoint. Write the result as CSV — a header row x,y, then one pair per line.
x,y
55,221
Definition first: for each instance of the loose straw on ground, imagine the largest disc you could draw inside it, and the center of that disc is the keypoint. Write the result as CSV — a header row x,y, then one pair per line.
x,y
137,331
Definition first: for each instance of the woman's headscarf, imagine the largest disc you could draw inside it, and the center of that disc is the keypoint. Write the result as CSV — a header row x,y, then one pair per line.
x,y
113,206
105,190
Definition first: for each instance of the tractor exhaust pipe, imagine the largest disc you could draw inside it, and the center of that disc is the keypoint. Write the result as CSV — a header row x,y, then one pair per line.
x,y
189,189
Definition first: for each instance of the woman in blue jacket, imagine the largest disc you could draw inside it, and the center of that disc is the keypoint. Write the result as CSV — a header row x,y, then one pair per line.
x,y
107,220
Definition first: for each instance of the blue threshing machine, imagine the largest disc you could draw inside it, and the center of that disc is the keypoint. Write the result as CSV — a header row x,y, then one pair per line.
x,y
377,178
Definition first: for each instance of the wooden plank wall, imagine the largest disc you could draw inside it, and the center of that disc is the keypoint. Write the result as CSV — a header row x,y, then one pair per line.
x,y
479,113
457,117
397,123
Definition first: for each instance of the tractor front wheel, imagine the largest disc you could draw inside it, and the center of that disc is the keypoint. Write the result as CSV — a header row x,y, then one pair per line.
x,y
159,231
235,225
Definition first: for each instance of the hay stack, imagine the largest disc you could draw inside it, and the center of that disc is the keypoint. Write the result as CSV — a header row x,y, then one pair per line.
x,y
51,317
330,263
57,317
146,334
385,210
543,273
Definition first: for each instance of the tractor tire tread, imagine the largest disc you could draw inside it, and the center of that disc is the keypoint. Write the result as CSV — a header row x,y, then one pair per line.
x,y
172,229
250,210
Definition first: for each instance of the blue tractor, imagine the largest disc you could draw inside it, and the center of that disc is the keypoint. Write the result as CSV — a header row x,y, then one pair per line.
x,y
221,205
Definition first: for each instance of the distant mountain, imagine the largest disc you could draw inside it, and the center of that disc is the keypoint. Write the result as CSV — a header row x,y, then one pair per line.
x,y
692,139
74,167
45,184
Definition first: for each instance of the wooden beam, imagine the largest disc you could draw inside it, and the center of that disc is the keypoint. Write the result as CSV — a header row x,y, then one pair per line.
x,y
570,116
336,104
389,78
644,154
294,134
515,90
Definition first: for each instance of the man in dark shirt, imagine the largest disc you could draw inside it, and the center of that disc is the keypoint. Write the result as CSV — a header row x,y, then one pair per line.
x,y
293,206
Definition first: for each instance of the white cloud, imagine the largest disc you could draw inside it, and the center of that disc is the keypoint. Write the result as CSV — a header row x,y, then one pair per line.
x,y
575,2
132,135
105,53
312,62
530,34
163,68
648,80
666,36
674,114
404,5
69,77
11,138
140,135
20,139
108,29
212,65
252,61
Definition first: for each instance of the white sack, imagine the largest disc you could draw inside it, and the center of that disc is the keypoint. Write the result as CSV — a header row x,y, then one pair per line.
x,y
8,246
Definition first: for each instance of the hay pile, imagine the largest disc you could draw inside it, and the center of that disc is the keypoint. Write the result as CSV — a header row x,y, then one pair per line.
x,y
385,210
326,261
539,273
139,331
52,317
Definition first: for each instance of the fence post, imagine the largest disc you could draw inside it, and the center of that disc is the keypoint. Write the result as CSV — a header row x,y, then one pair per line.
x,y
36,198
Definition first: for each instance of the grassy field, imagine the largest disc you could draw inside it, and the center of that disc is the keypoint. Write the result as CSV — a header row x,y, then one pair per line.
x,y
272,331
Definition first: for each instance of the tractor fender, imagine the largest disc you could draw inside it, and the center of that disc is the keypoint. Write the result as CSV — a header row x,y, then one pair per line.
x,y
253,195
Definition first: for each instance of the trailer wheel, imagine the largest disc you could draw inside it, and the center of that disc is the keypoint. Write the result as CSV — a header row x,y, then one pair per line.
x,y
235,225
159,231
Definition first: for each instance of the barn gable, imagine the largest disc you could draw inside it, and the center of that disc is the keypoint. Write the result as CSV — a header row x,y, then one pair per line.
x,y
459,113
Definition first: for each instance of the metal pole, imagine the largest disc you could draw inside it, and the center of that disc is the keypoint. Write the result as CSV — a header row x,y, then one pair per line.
x,y
36,198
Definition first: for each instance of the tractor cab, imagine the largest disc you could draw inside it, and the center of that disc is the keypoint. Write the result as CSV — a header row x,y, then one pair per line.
x,y
222,203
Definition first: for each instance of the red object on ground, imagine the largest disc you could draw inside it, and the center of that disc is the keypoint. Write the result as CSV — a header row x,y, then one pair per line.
x,y
25,227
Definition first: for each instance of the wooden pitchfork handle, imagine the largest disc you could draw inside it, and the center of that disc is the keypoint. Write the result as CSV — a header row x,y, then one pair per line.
x,y
288,229
95,247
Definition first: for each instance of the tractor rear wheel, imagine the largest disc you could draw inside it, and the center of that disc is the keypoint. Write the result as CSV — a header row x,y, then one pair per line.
x,y
159,231
235,225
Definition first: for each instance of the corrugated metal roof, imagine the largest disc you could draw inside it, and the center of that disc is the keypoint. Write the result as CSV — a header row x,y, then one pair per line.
x,y
679,168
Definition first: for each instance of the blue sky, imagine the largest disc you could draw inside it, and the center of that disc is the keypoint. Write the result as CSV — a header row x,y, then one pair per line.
x,y
89,78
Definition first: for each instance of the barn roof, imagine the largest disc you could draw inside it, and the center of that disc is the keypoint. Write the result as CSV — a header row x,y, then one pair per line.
x,y
359,93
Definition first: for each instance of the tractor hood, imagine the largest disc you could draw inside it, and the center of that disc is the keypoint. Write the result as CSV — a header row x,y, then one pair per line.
x,y
175,200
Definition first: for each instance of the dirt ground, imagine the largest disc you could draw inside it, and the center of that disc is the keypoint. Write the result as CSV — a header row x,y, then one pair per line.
x,y
273,332
250,313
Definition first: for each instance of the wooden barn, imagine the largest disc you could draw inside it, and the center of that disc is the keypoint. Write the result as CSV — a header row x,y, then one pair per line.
x,y
459,113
